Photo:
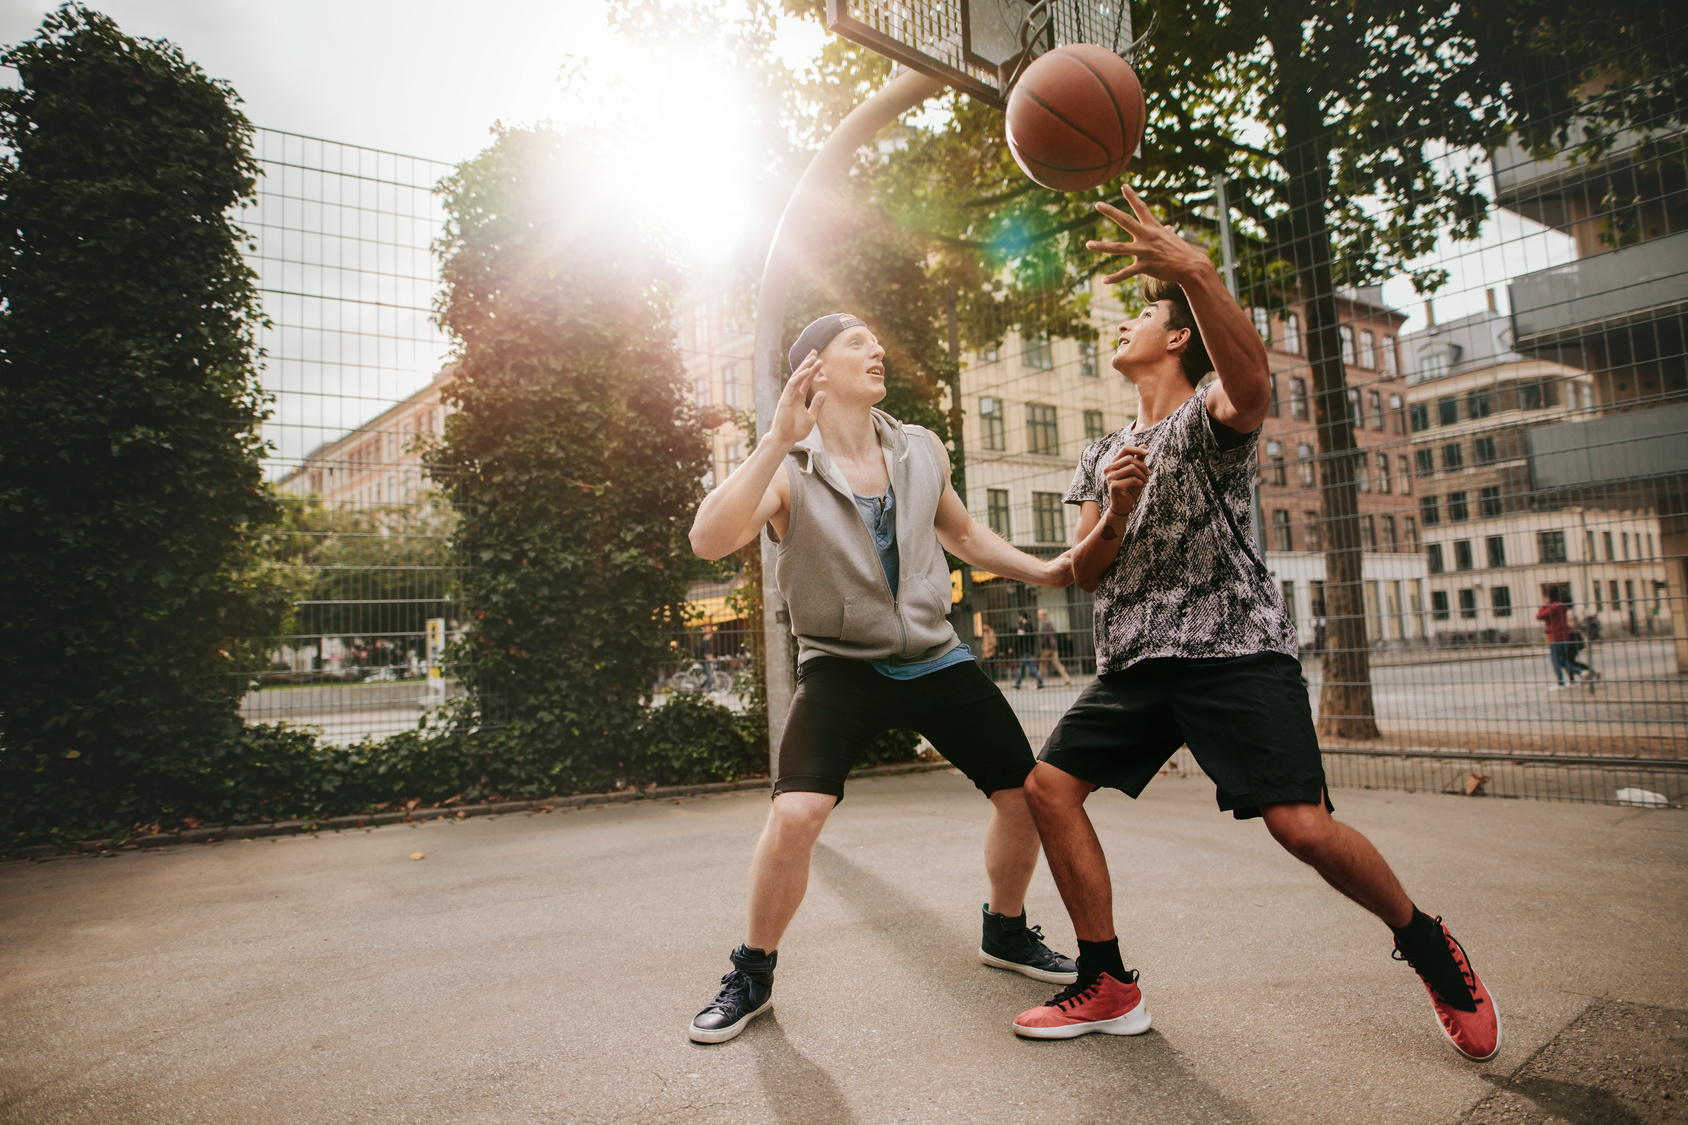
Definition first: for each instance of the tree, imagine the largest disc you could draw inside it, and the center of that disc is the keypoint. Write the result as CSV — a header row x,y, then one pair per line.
x,y
1353,137
129,473
572,458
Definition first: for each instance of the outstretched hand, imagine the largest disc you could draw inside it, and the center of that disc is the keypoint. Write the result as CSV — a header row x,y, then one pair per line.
x,y
1157,248
793,420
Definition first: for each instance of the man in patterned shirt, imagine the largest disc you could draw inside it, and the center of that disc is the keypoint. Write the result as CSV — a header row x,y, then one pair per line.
x,y
1194,647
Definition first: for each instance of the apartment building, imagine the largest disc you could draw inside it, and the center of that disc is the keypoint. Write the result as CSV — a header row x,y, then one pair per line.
x,y
1496,548
380,462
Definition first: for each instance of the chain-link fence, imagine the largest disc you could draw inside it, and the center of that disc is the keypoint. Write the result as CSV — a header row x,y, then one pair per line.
x,y
341,241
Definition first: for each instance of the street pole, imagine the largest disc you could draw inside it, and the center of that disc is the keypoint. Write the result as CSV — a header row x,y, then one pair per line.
x,y
1228,255
890,102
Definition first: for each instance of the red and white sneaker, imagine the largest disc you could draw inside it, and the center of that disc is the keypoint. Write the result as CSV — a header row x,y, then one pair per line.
x,y
1464,1009
1105,1005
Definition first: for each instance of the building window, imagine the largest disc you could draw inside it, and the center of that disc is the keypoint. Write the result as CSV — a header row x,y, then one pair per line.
x,y
1094,427
1038,355
1410,526
1304,464
1606,536
1500,601
1262,324
1429,511
1375,400
1439,604
1477,405
1346,331
1288,588
1316,597
1447,411
1433,552
1087,359
1457,508
1426,461
1281,539
1483,451
1395,412
1550,545
1384,484
1040,429
703,391
1368,349
1275,473
1433,365
1406,475
1292,334
1468,604
1488,502
1530,396
729,385
1368,533
1496,546
1272,403
1049,517
1419,416
1390,366
996,512
1298,398
1362,478
1462,555
1453,456
1391,541
996,432
991,355
1355,411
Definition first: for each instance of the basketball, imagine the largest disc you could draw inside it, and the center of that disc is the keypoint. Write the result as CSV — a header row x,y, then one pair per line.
x,y
1075,117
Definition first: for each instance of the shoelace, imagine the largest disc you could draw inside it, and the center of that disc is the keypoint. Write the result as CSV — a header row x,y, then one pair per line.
x,y
1080,991
1462,963
735,992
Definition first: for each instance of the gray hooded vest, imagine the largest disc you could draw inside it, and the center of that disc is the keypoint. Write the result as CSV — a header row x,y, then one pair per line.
x,y
829,571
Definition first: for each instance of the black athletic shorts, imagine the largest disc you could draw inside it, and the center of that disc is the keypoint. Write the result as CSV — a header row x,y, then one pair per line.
x,y
1245,718
842,705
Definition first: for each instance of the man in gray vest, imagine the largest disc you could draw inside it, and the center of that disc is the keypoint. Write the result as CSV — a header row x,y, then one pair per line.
x,y
862,508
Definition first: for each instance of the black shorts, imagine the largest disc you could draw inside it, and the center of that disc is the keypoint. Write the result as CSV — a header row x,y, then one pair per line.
x,y
1246,719
842,705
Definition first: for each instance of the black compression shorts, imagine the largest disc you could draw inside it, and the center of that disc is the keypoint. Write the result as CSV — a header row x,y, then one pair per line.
x,y
842,705
1246,719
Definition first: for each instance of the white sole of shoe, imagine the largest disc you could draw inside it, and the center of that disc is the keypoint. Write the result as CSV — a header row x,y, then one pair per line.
x,y
722,1034
1134,1022
1026,970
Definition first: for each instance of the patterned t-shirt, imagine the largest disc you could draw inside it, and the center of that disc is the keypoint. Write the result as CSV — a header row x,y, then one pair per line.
x,y
1188,580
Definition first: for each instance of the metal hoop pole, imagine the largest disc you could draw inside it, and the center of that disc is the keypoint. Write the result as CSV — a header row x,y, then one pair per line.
x,y
890,102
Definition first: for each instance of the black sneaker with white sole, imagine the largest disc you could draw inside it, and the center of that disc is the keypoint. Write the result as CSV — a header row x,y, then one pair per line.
x,y
746,993
1008,943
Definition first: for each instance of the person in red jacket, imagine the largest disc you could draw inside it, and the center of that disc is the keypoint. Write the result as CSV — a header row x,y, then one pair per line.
x,y
1555,617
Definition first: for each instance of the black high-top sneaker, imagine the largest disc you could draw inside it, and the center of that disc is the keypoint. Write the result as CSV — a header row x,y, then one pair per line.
x,y
1009,943
746,993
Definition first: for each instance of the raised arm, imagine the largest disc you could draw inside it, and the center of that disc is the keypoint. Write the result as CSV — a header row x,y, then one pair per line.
x,y
985,549
1239,358
757,492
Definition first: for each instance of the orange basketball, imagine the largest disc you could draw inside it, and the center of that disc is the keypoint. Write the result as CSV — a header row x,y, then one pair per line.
x,y
1075,117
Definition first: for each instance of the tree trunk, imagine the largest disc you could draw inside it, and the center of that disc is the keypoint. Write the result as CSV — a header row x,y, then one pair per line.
x,y
1345,701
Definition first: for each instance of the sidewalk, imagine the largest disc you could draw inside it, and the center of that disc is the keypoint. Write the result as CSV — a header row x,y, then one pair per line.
x,y
542,967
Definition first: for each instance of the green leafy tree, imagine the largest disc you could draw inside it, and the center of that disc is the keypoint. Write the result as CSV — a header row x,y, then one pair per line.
x,y
129,457
572,457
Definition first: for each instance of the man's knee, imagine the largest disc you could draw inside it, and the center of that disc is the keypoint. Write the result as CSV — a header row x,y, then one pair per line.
x,y
1051,789
797,814
1304,829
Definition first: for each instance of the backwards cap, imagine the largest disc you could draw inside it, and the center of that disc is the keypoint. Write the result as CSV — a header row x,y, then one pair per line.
x,y
819,334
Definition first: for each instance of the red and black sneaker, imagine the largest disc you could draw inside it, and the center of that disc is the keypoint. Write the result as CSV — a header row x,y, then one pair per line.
x,y
1106,1005
1464,1009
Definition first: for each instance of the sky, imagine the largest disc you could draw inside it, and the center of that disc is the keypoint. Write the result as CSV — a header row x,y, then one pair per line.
x,y
429,77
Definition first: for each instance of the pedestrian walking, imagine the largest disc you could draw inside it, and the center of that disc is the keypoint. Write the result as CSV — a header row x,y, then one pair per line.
x,y
1555,617
1049,647
1025,646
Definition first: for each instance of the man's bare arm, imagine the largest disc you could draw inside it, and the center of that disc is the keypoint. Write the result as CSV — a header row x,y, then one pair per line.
x,y
1101,534
981,547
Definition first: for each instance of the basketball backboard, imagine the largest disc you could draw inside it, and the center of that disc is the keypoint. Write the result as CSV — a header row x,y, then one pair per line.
x,y
976,45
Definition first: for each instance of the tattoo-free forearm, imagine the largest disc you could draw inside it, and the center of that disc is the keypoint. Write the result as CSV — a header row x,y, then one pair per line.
x,y
1239,358
726,519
